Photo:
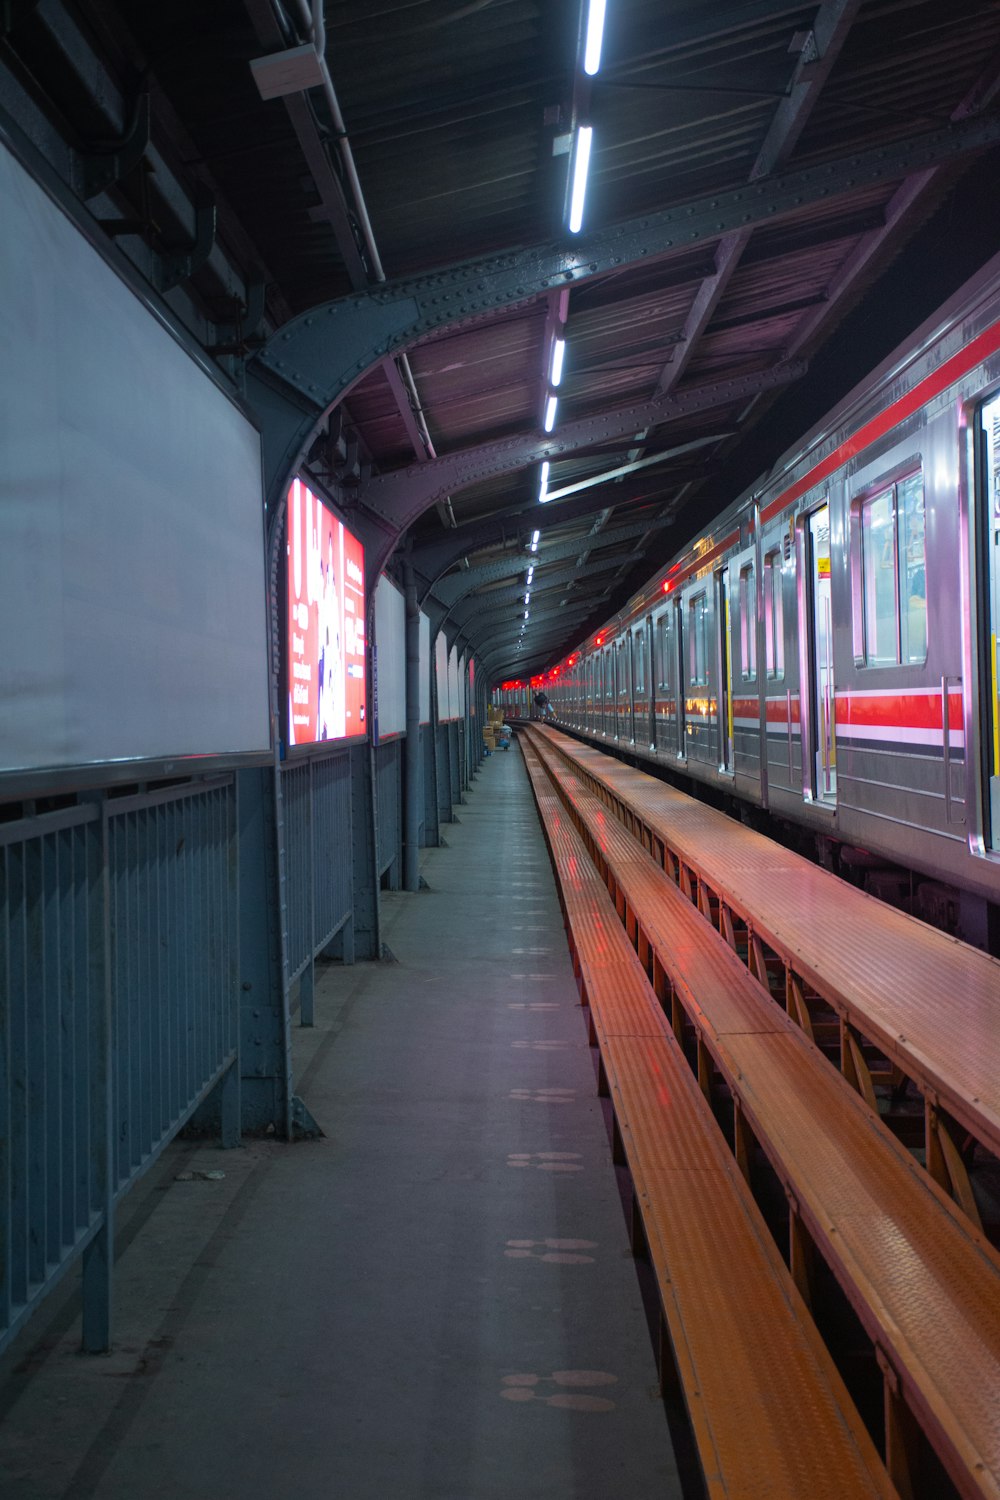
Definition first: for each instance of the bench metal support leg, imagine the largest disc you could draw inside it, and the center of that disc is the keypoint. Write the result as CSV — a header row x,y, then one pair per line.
x,y
854,1067
900,1432
743,1140
945,1164
801,1256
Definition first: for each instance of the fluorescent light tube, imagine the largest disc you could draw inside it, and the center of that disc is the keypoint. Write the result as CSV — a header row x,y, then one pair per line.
x,y
550,412
581,166
558,355
595,36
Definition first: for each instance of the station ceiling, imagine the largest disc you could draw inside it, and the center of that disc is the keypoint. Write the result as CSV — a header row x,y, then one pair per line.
x,y
447,132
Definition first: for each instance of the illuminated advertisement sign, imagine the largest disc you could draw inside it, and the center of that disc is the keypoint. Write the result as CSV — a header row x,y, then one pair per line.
x,y
325,624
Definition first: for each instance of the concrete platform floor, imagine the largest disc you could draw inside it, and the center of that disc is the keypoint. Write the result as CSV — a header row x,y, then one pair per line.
x,y
434,1302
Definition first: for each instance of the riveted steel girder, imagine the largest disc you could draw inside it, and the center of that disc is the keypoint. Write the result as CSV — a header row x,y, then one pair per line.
x,y
498,602
434,559
559,621
457,585
311,362
402,496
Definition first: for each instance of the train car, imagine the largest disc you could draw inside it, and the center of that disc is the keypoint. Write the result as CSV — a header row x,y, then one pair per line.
x,y
828,650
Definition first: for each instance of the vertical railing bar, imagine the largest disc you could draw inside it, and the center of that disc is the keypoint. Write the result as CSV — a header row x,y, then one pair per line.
x,y
160,1029
98,1259
148,1007
65,1002
172,984
133,1136
19,1144
49,1010
35,1036
190,928
82,1002
6,1102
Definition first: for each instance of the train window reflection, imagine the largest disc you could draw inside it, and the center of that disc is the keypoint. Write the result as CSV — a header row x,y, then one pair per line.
x,y
893,575
748,622
662,652
774,618
698,636
912,577
878,555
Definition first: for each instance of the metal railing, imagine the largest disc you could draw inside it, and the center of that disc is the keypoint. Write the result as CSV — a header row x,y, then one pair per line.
x,y
318,855
388,791
118,1015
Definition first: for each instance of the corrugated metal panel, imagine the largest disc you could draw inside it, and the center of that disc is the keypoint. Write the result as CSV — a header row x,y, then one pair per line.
x,y
390,657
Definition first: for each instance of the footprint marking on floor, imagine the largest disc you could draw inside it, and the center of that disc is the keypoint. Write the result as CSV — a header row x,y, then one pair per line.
x,y
544,1096
523,1388
546,1161
554,1252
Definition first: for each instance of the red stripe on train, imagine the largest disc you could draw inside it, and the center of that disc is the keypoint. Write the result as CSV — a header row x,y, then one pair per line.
x,y
925,390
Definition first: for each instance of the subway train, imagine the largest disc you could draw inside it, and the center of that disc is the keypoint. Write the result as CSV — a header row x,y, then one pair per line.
x,y
827,651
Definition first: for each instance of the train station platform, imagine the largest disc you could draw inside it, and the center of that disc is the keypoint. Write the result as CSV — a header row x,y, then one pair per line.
x,y
435,1300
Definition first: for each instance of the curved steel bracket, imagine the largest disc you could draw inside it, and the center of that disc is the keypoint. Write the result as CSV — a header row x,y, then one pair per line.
x,y
306,367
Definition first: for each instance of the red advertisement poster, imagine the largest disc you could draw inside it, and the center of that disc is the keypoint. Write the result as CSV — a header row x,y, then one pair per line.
x,y
325,639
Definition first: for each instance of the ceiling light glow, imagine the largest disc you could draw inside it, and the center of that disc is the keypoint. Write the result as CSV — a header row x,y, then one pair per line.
x,y
581,166
595,36
550,412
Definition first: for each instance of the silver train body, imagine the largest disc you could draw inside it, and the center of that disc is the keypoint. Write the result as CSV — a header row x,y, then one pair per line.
x,y
828,650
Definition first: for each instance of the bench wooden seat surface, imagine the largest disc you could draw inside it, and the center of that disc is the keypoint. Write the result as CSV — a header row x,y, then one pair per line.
x,y
930,1002
924,1282
770,1415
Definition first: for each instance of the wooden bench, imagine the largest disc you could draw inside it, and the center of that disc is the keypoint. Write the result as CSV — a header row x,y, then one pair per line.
x,y
924,1283
768,1410
927,1002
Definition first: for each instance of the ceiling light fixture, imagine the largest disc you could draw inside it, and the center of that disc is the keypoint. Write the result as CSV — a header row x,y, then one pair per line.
x,y
543,488
581,166
558,355
595,36
551,406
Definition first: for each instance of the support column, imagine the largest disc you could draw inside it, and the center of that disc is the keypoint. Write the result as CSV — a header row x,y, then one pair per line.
x,y
412,769
265,1039
367,936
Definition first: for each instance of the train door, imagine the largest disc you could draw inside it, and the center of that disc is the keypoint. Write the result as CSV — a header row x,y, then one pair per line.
x,y
680,679
724,617
990,717
822,729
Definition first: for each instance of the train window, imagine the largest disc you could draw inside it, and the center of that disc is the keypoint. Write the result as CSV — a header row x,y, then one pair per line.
x,y
623,669
639,660
662,649
774,616
878,564
912,575
698,641
748,623
893,580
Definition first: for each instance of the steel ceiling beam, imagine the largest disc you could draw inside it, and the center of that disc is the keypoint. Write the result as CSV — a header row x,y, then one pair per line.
x,y
821,48
402,496
434,559
498,602
449,590
561,622
309,364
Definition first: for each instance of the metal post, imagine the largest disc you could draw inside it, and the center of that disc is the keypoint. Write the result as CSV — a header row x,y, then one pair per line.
x,y
413,780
